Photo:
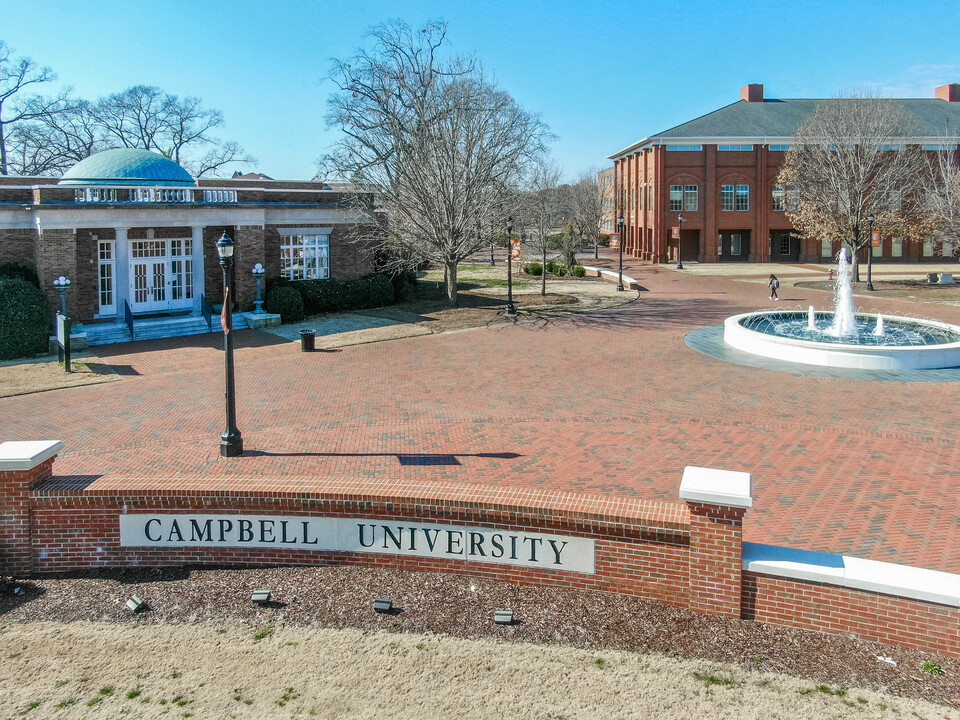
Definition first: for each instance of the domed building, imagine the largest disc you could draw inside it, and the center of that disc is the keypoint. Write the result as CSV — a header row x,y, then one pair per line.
x,y
136,235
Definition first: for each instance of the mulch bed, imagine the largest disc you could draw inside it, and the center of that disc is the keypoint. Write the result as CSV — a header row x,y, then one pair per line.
x,y
463,606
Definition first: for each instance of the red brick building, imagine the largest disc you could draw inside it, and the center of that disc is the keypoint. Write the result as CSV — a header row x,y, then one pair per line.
x,y
719,171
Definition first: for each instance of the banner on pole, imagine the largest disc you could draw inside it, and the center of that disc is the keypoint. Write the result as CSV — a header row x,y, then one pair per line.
x,y
614,240
514,249
223,312
675,233
875,238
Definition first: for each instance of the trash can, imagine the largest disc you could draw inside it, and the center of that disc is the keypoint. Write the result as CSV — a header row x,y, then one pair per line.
x,y
307,339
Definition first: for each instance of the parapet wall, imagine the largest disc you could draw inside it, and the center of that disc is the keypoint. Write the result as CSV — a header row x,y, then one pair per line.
x,y
687,555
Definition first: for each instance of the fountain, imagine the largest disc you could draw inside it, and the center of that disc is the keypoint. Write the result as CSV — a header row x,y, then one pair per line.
x,y
844,338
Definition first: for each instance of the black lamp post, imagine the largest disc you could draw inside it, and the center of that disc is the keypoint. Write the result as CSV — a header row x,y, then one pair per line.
x,y
679,237
511,310
620,248
231,443
492,241
870,253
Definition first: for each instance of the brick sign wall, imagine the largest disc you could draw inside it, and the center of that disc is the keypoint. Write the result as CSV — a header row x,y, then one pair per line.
x,y
688,555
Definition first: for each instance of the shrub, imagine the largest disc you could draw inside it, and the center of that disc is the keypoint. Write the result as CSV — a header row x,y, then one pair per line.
x,y
535,269
552,266
25,320
561,271
19,270
286,302
404,285
578,271
322,296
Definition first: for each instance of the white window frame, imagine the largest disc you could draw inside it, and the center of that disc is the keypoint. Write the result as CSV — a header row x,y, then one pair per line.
x,y
784,240
734,148
736,244
106,277
684,148
310,246
896,247
928,246
826,247
742,192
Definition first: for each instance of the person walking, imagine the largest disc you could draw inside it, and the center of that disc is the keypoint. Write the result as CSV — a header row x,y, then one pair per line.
x,y
773,284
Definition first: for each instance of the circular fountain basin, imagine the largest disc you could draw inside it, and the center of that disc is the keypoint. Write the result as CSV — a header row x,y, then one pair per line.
x,y
906,344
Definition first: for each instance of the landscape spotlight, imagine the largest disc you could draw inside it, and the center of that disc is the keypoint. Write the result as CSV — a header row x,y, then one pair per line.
x,y
260,597
135,603
503,617
382,605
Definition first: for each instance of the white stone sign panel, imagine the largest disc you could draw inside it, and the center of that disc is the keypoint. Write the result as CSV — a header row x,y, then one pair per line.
x,y
392,537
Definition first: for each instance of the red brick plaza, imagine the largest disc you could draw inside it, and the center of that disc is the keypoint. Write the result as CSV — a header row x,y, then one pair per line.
x,y
608,404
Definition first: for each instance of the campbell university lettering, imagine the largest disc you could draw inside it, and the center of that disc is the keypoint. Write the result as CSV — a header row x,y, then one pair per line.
x,y
449,542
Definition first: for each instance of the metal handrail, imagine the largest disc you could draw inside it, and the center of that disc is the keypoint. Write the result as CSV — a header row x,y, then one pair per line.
x,y
207,311
128,317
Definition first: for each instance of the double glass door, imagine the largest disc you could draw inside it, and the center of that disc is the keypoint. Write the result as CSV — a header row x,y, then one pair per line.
x,y
161,275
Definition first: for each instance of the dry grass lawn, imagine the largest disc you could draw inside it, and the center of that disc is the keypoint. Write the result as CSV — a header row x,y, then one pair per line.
x,y
208,670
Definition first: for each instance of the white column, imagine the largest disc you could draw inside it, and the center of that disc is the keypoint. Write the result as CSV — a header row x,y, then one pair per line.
x,y
198,271
122,290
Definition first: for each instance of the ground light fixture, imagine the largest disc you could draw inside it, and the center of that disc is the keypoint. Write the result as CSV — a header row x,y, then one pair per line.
x,y
61,284
260,597
135,603
870,253
231,442
679,241
503,617
511,310
382,605
620,248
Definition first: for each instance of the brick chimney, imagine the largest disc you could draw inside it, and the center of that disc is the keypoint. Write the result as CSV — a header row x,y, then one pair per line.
x,y
754,92
950,93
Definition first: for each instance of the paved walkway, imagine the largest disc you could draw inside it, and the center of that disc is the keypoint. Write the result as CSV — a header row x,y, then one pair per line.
x,y
611,403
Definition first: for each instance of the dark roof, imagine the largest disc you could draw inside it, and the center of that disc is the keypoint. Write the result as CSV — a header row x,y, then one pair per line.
x,y
774,118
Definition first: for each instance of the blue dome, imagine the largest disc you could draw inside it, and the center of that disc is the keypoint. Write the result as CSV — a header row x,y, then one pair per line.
x,y
127,166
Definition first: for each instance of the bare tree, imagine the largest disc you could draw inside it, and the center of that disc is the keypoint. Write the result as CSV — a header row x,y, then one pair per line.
x,y
179,128
587,203
850,159
16,75
543,210
55,141
942,201
432,140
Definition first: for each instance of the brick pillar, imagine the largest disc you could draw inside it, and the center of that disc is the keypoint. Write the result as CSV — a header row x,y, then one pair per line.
x,y
717,500
22,464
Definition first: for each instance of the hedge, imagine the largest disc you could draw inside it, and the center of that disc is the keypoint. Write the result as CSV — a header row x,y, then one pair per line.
x,y
322,296
535,269
25,320
285,302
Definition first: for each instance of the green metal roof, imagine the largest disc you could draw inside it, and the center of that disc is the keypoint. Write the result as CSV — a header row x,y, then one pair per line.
x,y
933,119
128,166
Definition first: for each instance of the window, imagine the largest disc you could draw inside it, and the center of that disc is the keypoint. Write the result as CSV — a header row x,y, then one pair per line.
x,y
95,195
726,197
305,257
684,148
650,197
948,248
826,248
743,197
219,196
891,147
181,269
719,245
785,243
735,244
781,148
729,148
779,198
939,147
896,247
878,250
106,273
684,197
928,246
892,200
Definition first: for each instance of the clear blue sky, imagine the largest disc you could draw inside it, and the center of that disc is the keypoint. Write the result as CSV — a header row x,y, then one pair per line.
x,y
601,74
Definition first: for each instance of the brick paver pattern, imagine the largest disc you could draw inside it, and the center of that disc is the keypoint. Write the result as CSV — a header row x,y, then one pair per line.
x,y
610,403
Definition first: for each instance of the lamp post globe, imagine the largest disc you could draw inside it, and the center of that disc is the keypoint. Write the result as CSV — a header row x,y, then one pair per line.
x,y
679,240
258,273
620,249
231,442
511,310
61,284
870,253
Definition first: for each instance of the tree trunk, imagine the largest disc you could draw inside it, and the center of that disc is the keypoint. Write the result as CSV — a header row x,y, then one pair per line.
x,y
543,275
450,272
854,264
3,151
